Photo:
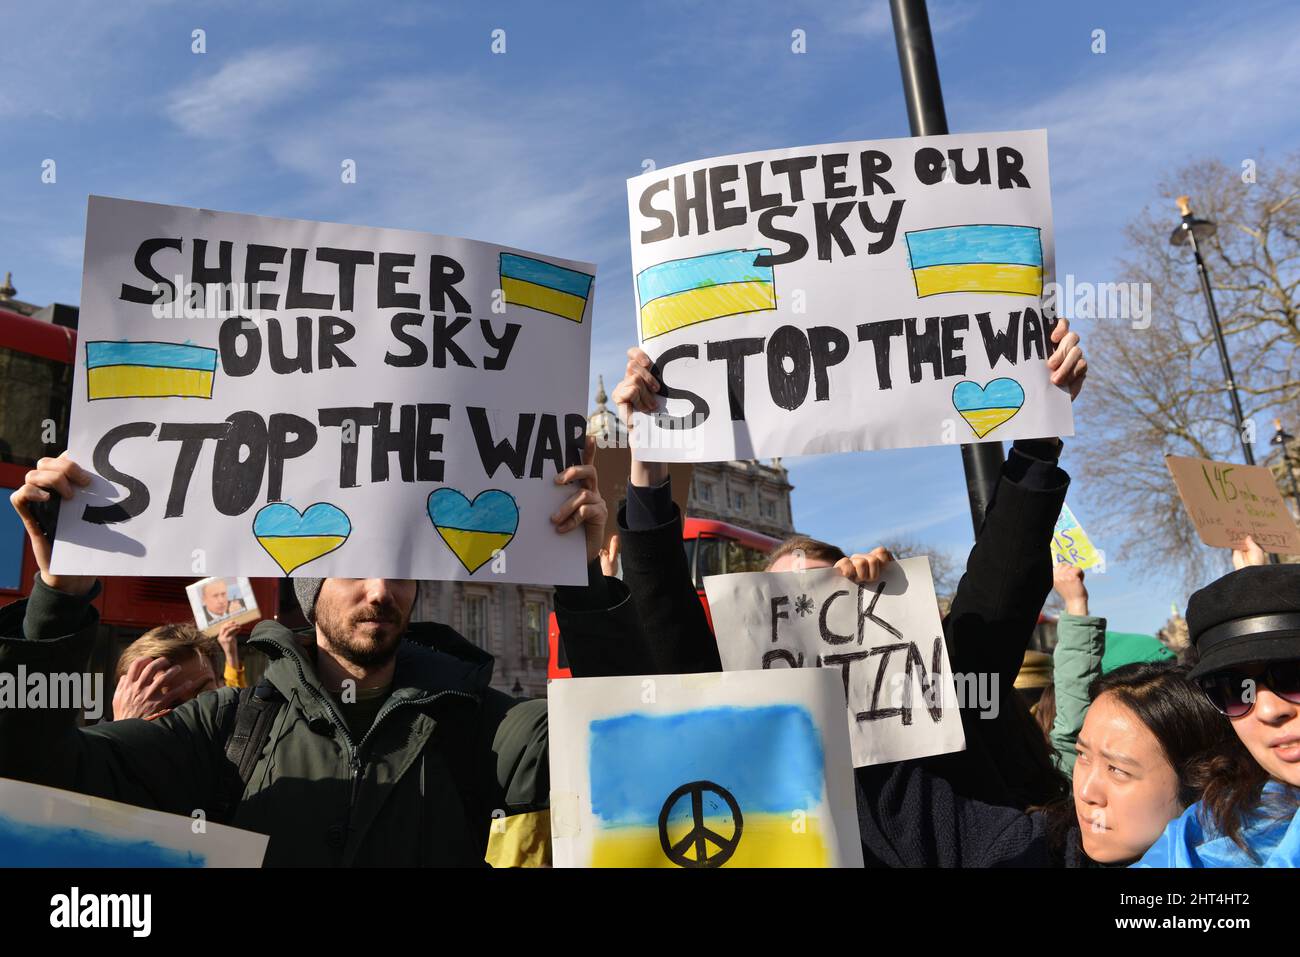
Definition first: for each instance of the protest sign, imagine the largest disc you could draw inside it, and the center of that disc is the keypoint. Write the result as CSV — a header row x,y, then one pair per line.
x,y
1071,544
867,295
217,602
883,640
47,827
270,397
1227,502
733,769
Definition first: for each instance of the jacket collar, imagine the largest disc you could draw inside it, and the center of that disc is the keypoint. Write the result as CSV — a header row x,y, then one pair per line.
x,y
431,657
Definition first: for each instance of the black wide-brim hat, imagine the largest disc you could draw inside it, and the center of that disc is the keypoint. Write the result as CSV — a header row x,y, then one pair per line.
x,y
1251,616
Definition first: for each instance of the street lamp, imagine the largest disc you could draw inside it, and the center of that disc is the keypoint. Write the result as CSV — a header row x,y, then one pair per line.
x,y
1190,232
1283,439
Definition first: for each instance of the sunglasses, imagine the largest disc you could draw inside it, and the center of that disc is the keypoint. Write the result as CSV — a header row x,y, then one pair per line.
x,y
1233,692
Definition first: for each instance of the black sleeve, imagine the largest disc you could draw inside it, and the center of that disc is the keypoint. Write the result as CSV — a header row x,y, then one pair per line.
x,y
1009,572
911,817
650,506
989,627
667,604
599,628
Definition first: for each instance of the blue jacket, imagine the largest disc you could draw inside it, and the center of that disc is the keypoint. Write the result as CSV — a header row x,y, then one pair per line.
x,y
1189,841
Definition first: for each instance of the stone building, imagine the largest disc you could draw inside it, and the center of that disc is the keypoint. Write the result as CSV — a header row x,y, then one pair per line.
x,y
749,493
507,621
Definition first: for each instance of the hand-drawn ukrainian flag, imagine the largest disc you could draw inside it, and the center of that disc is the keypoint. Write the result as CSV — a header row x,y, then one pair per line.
x,y
978,258
544,286
711,787
1071,544
150,370
682,292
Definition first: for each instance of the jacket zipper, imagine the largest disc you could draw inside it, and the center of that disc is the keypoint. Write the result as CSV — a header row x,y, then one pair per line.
x,y
354,748
383,713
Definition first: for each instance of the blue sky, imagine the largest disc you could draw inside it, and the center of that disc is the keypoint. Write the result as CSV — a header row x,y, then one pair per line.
x,y
532,147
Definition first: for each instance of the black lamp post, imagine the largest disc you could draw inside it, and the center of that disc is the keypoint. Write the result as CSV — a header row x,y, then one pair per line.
x,y
1190,232
981,461
1283,439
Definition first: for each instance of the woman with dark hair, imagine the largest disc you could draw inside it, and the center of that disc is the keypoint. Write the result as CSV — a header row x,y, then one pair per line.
x,y
1246,631
1137,767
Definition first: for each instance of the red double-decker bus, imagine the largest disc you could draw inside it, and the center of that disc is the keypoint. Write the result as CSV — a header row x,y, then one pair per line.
x,y
36,363
712,548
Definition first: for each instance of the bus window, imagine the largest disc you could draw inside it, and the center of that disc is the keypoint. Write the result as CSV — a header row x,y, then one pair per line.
x,y
741,558
32,391
709,560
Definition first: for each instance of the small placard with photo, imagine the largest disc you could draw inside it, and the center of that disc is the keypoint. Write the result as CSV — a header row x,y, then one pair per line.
x,y
216,601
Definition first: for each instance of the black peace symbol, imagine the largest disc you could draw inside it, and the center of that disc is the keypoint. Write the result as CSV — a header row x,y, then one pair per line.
x,y
700,836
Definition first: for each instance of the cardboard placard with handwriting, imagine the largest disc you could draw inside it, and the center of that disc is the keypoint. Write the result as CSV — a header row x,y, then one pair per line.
x,y
1227,502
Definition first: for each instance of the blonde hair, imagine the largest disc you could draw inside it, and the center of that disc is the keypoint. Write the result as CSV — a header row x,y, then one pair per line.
x,y
172,642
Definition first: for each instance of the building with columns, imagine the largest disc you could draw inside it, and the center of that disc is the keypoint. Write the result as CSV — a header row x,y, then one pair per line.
x,y
753,494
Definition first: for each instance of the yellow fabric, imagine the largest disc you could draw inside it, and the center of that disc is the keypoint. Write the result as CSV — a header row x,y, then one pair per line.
x,y
520,840
235,677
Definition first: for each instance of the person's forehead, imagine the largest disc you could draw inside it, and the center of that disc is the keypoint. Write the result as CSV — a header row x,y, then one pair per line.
x,y
1113,726
787,562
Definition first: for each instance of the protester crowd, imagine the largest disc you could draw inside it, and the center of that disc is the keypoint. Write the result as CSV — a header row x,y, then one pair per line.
x,y
376,740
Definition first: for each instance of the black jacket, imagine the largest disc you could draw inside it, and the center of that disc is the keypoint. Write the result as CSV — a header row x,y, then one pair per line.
x,y
960,809
968,809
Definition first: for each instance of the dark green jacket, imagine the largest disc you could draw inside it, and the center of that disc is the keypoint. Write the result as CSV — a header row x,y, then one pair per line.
x,y
445,754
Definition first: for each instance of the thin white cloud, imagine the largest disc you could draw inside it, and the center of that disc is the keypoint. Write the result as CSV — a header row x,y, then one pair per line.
x,y
225,103
454,155
926,516
1127,117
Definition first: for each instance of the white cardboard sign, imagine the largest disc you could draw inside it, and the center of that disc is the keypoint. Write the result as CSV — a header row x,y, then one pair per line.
x,y
48,827
727,769
869,295
340,400
884,640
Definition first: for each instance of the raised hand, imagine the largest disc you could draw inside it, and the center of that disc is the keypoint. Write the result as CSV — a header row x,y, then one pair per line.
x,y
150,685
585,507
639,392
1067,364
609,558
862,568
62,477
1068,582
1251,554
